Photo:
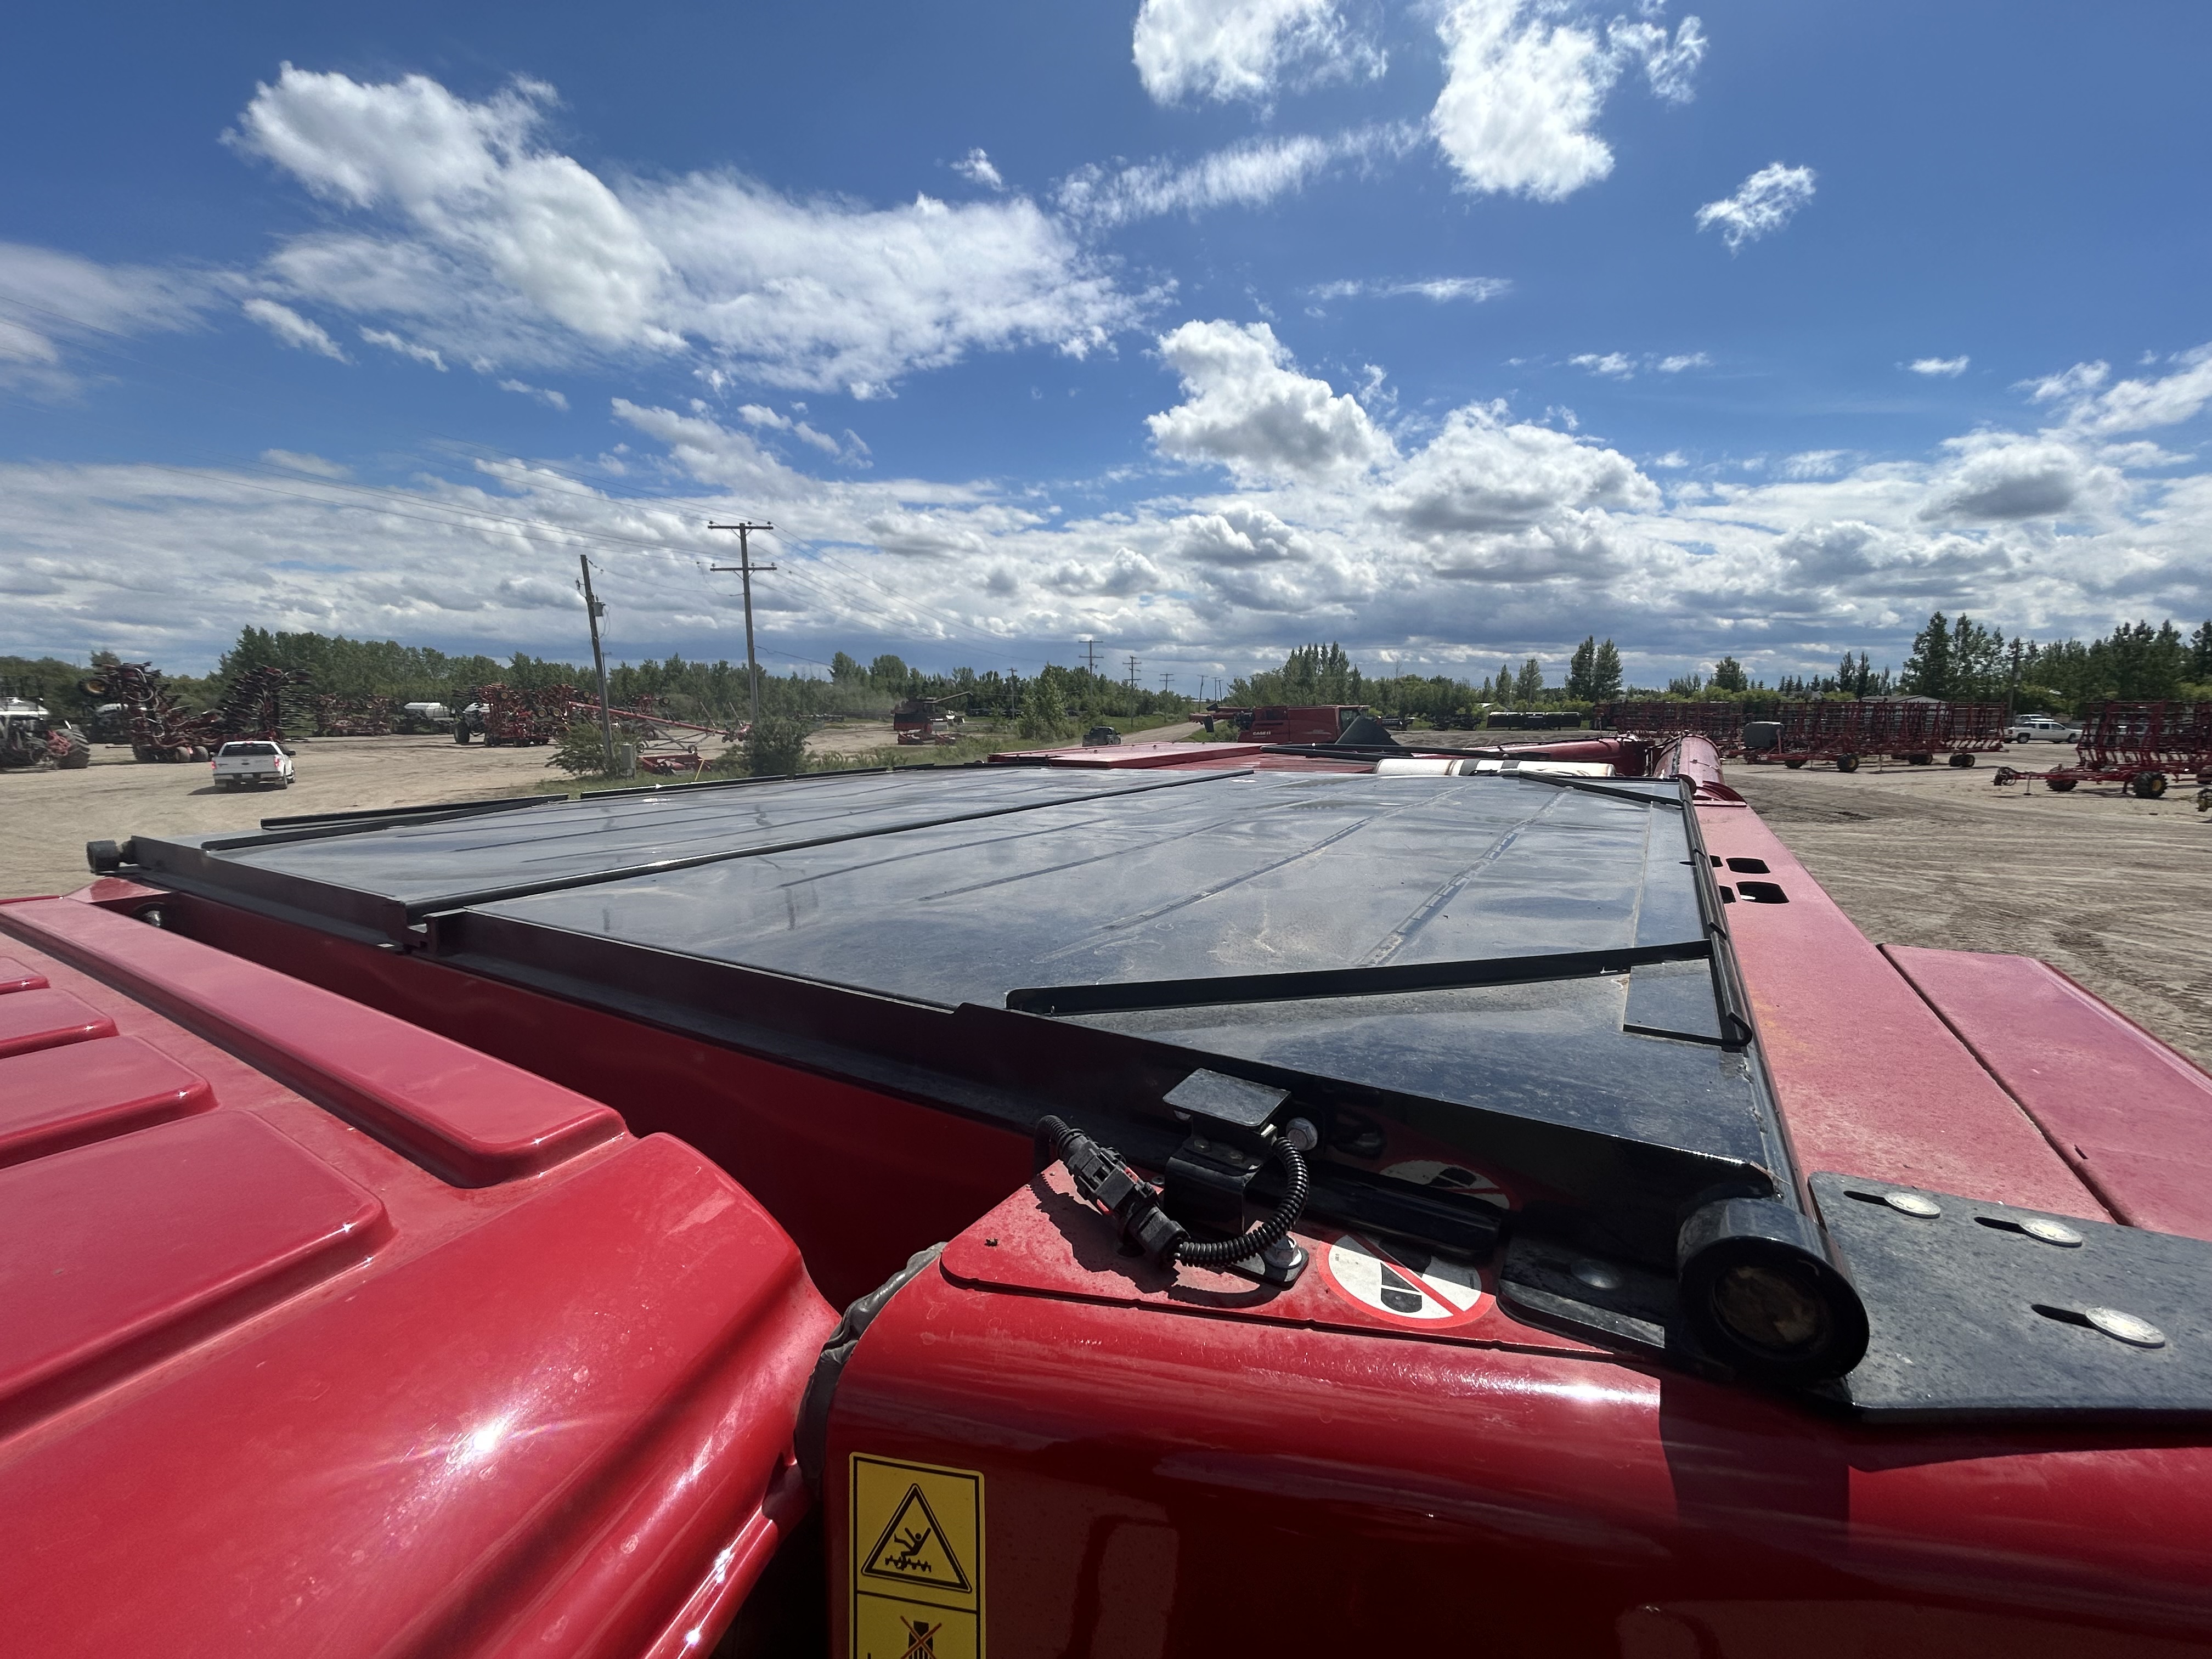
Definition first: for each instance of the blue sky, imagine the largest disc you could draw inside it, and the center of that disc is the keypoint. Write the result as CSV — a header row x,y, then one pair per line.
x,y
1454,330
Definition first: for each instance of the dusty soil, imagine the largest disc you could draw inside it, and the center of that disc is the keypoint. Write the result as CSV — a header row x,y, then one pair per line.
x,y
46,818
2115,891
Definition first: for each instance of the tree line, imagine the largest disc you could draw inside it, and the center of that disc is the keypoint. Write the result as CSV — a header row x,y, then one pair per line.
x,y
1954,658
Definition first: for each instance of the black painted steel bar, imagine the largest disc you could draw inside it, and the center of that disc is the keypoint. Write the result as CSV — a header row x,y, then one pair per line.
x,y
1384,979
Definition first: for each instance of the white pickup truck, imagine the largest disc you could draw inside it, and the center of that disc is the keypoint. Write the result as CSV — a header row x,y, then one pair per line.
x,y
2031,728
253,764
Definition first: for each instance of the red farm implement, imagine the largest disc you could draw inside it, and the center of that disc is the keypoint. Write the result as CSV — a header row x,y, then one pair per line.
x,y
2140,746
666,747
353,717
1720,722
160,729
511,716
1908,729
253,705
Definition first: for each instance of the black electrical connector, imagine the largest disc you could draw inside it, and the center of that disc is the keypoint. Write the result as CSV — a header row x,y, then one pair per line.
x,y
1103,1179
1133,1203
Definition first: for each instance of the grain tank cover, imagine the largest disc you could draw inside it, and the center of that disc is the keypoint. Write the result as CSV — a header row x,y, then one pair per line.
x,y
1518,957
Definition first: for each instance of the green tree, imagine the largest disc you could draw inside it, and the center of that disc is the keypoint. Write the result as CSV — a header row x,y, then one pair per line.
x,y
845,670
1605,673
776,746
1044,717
1580,667
1528,684
1928,667
1728,676
2200,653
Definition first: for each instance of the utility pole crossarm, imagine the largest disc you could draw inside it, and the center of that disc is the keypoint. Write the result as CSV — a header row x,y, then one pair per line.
x,y
746,567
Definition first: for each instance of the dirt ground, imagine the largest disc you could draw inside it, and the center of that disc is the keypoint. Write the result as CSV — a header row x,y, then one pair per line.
x,y
46,818
2116,891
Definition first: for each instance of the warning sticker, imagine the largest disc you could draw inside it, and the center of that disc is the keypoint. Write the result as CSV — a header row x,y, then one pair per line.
x,y
1404,1284
917,1561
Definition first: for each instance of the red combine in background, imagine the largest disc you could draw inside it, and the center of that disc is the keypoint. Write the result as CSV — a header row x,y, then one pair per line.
x,y
919,720
1339,1198
1319,723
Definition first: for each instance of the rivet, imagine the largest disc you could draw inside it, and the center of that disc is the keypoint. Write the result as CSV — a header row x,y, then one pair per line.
x,y
990,1243
1597,1275
2050,1232
1917,1204
2128,1327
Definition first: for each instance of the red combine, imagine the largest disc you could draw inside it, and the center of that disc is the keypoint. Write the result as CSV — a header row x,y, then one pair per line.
x,y
924,721
1281,1200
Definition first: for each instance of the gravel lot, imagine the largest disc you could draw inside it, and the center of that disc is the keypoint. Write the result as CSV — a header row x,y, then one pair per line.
x,y
46,818
2116,891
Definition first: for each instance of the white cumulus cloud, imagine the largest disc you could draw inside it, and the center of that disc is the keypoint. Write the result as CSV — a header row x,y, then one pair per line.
x,y
1948,367
1438,289
545,395
1226,49
1250,409
481,241
1246,175
1525,81
976,168
1610,364
1767,201
405,347
2001,477
293,460
2135,405
294,330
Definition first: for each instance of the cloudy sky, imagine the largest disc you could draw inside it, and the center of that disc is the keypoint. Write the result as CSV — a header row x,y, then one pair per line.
x,y
1454,330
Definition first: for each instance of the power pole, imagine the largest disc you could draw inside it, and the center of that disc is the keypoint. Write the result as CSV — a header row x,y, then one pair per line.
x,y
1132,671
1090,657
745,567
1166,680
594,610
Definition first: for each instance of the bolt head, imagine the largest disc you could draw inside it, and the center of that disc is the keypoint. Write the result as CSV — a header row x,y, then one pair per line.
x,y
1913,1204
2132,1328
1598,1275
2050,1232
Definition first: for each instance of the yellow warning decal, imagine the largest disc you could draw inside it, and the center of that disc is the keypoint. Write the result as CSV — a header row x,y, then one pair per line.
x,y
917,1560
